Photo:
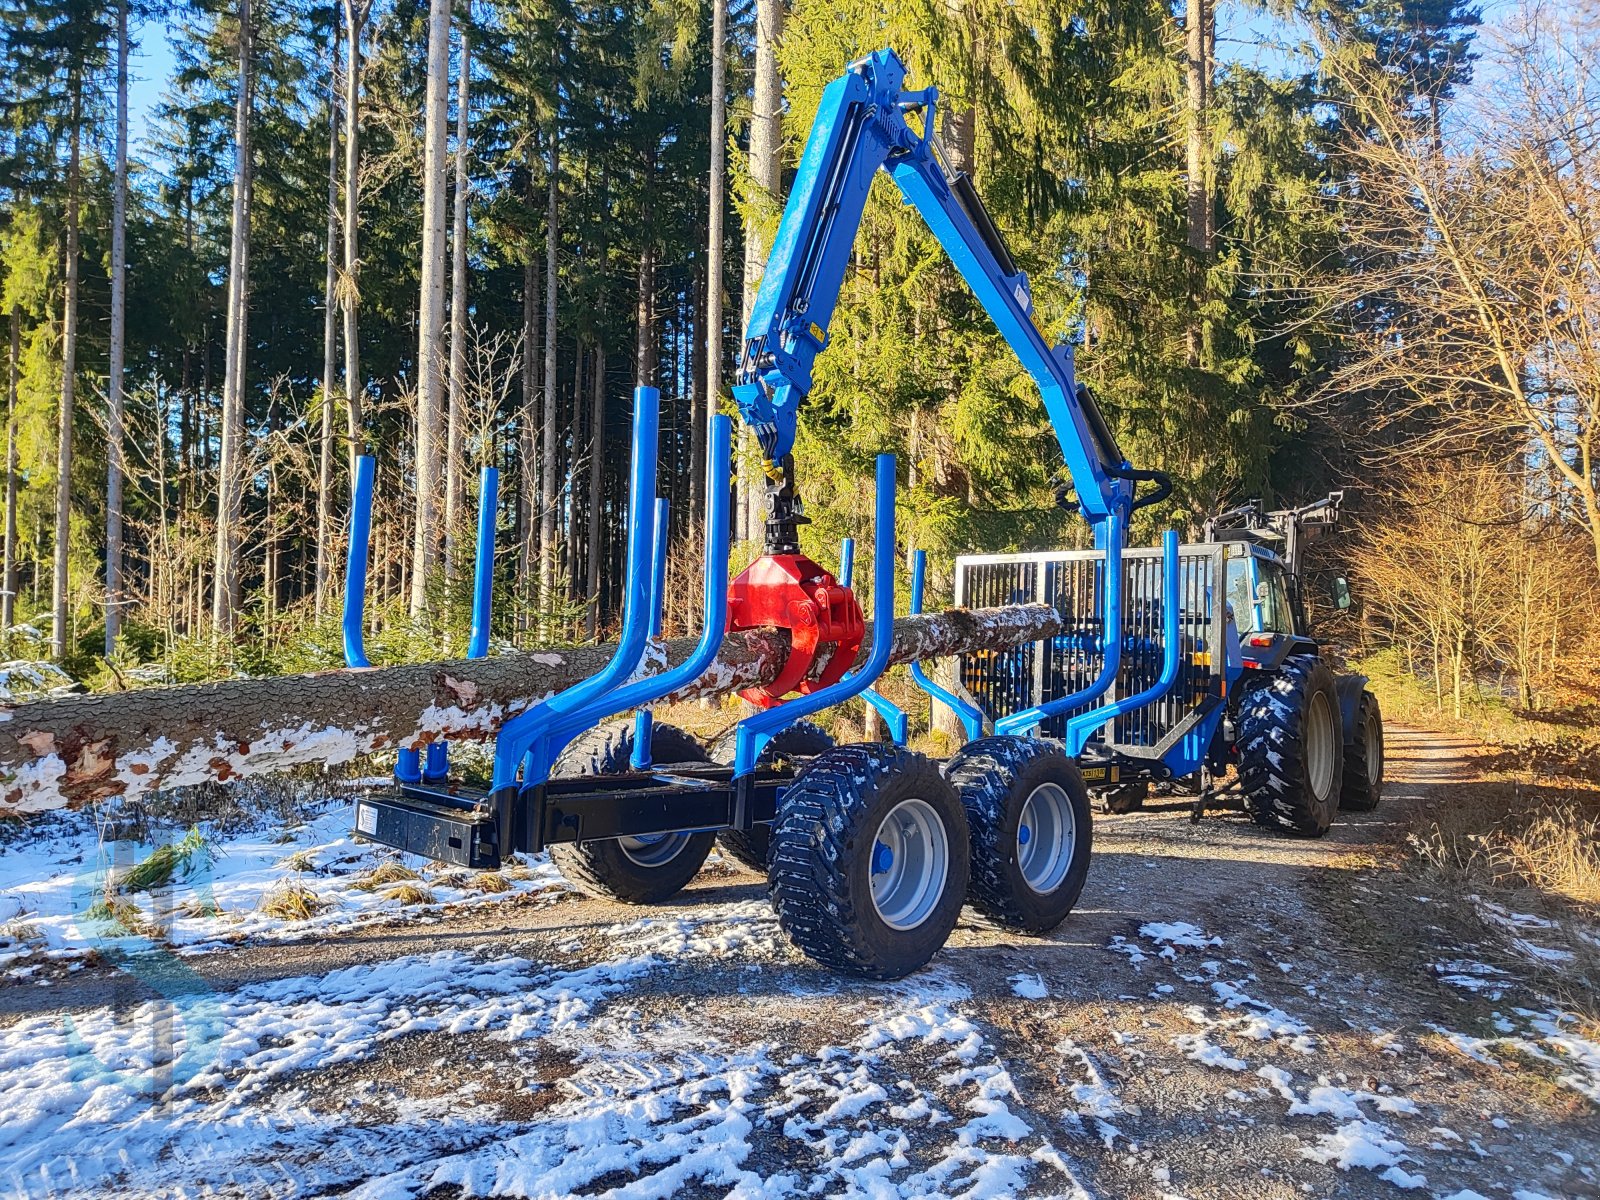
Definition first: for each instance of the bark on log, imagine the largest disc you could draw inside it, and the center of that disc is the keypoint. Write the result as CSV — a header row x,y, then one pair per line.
x,y
73,751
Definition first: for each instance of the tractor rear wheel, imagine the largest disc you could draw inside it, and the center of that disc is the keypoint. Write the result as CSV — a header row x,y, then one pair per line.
x,y
1363,757
1291,747
803,739
869,860
1029,824
634,870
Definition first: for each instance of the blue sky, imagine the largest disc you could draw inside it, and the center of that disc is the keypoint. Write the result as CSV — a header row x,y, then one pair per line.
x,y
1245,34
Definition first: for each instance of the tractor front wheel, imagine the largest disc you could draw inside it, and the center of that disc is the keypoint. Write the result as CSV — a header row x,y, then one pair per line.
x,y
869,860
1291,747
634,870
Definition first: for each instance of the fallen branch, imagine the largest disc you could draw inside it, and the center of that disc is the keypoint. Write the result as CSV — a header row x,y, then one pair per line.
x,y
69,752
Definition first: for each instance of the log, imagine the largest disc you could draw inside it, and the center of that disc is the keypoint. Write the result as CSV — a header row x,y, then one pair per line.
x,y
77,750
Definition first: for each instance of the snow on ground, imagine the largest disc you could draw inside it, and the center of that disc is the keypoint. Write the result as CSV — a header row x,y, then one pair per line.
x,y
253,1098
51,883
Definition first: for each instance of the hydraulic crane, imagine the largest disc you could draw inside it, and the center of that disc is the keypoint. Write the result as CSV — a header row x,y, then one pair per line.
x,y
864,124
870,850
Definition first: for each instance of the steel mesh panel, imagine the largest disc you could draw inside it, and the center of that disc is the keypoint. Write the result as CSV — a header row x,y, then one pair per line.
x,y
1071,581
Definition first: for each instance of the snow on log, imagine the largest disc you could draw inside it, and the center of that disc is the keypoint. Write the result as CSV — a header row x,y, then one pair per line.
x,y
75,750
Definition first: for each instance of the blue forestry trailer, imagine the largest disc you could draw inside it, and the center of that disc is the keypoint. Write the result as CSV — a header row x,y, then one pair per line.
x,y
871,850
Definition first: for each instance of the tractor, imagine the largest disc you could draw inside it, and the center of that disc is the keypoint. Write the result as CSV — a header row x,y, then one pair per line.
x,y
1254,692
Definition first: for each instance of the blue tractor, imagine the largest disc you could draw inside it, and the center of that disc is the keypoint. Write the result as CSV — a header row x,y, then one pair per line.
x,y
870,851
1255,718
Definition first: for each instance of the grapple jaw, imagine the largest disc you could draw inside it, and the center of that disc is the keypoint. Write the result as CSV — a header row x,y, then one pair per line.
x,y
791,592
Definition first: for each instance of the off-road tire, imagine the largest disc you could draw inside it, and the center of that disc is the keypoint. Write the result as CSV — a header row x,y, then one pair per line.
x,y
803,739
603,868
1274,768
1123,797
1360,791
995,776
820,878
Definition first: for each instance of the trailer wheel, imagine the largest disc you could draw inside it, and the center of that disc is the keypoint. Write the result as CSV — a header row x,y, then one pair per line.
x,y
869,860
634,870
1363,757
803,739
1029,823
1291,747
1124,797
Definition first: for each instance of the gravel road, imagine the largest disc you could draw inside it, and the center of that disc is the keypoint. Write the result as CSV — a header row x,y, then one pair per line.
x,y
1229,1013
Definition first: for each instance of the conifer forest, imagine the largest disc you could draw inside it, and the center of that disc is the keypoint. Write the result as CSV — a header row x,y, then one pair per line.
x,y
1315,244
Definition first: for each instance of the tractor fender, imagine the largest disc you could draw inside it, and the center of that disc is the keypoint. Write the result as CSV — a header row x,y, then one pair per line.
x,y
1349,689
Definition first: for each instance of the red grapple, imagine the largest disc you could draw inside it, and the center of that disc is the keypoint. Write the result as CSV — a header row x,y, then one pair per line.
x,y
791,592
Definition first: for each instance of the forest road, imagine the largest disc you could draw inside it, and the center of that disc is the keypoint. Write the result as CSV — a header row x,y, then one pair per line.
x,y
1229,1013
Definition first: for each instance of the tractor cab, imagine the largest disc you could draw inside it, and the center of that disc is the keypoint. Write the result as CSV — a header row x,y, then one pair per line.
x,y
1264,602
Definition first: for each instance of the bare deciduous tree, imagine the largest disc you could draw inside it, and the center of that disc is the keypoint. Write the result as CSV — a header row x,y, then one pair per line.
x,y
1475,302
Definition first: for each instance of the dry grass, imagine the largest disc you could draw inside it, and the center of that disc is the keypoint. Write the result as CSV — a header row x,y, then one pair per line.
x,y
301,860
384,874
487,881
292,900
119,918
409,893
1502,838
17,932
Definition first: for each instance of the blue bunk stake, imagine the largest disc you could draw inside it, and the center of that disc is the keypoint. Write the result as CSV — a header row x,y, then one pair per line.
x,y
971,717
1110,532
640,692
408,763
483,568
355,572
644,720
436,768
893,715
528,735
756,730
1081,727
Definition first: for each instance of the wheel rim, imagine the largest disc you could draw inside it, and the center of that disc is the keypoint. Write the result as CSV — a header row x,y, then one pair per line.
x,y
1318,736
1047,833
910,864
1374,750
655,850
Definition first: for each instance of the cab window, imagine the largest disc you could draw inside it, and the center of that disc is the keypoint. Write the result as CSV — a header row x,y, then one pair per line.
x,y
1260,598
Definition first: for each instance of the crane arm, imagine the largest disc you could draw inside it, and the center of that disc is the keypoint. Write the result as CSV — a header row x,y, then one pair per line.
x,y
861,126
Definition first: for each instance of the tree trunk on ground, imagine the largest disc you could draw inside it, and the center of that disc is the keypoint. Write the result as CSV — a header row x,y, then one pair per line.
x,y
8,596
119,313
430,309
454,483
69,368
547,474
766,173
230,476
355,17
330,337
81,749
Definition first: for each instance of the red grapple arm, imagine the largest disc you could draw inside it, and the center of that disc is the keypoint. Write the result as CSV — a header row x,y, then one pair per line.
x,y
791,592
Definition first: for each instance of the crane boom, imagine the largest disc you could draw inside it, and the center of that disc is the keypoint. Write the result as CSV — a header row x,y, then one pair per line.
x,y
861,126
